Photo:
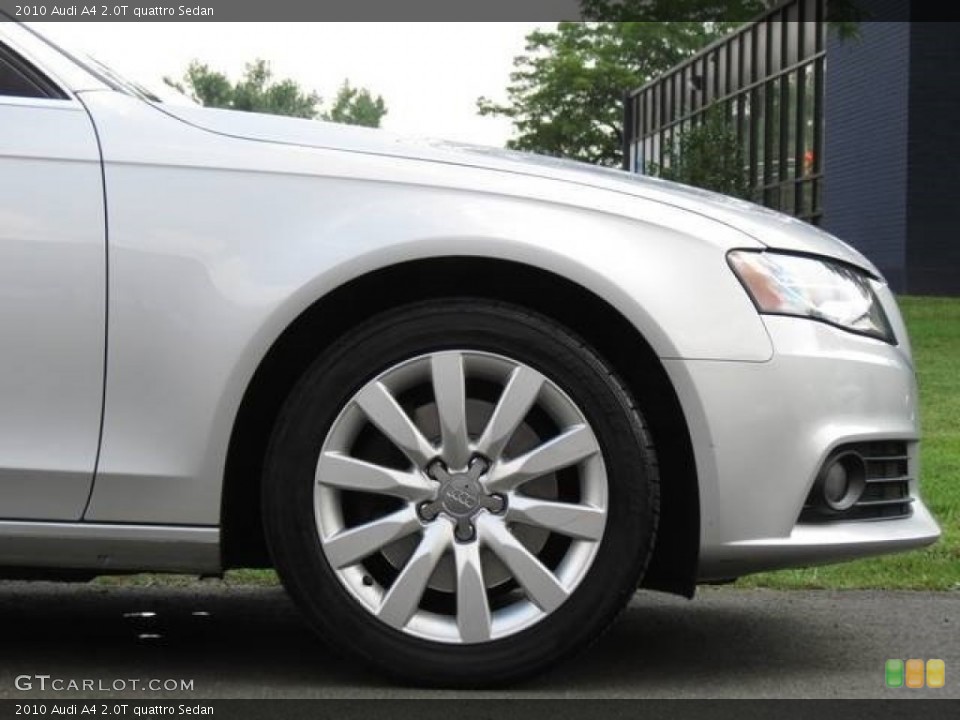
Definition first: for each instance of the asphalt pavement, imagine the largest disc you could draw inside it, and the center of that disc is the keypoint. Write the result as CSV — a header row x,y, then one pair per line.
x,y
248,642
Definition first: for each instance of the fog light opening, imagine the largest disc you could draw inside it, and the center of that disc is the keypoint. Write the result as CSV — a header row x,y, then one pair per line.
x,y
842,481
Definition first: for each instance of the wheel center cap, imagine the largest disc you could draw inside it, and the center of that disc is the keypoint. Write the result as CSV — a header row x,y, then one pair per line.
x,y
460,496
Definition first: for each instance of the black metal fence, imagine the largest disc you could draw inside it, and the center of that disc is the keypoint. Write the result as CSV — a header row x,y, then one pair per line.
x,y
767,78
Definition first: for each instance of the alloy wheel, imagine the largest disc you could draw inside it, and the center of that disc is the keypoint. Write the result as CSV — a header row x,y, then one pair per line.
x,y
460,496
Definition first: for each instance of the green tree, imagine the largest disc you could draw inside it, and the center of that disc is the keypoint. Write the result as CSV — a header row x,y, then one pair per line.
x,y
707,156
566,93
356,106
258,91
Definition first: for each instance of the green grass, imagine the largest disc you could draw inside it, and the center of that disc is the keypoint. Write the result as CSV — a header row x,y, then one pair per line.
x,y
934,325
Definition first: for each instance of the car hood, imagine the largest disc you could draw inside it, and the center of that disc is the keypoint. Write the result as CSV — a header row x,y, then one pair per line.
x,y
773,229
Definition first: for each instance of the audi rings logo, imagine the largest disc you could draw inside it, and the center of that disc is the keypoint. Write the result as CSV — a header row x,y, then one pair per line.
x,y
462,497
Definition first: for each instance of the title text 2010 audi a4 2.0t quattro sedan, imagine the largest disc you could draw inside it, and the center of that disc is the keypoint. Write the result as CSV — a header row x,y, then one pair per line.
x,y
463,401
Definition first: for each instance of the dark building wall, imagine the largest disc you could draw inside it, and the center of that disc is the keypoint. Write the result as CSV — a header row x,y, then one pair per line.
x,y
866,137
933,193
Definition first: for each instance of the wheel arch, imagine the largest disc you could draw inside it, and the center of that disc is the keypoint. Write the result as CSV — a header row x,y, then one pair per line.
x,y
674,565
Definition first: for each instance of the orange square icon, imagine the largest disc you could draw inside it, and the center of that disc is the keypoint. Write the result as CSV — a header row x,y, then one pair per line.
x,y
936,673
914,673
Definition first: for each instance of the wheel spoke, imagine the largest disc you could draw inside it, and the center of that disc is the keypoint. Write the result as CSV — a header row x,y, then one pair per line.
x,y
450,393
473,610
346,473
518,396
576,521
403,597
566,449
382,409
352,545
541,586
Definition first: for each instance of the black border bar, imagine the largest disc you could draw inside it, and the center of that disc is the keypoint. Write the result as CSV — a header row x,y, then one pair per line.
x,y
439,10
488,709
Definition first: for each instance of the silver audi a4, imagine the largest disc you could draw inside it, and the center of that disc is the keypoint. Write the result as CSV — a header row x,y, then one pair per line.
x,y
464,401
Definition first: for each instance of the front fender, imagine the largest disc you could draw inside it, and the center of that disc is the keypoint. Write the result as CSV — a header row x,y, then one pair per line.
x,y
218,244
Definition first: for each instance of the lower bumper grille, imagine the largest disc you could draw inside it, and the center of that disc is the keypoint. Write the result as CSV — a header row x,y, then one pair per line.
x,y
884,491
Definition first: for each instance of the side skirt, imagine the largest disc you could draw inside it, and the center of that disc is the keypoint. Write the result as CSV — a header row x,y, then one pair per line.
x,y
109,548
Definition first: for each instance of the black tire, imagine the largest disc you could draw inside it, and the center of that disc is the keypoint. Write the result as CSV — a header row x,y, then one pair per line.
x,y
473,324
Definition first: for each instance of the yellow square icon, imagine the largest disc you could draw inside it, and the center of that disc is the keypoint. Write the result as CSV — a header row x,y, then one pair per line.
x,y
936,673
914,673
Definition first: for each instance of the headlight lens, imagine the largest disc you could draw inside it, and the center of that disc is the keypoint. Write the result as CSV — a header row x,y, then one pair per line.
x,y
816,288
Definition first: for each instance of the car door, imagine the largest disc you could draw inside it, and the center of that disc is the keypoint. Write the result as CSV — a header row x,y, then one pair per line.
x,y
52,296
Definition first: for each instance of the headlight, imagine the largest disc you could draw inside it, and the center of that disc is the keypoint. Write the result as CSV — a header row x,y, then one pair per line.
x,y
816,288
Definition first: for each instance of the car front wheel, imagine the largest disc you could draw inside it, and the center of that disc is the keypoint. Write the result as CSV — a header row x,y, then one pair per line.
x,y
460,493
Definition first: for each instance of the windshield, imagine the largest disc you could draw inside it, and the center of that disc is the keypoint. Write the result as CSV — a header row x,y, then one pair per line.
x,y
108,75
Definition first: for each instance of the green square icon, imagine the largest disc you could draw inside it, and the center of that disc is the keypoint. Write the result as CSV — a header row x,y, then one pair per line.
x,y
894,673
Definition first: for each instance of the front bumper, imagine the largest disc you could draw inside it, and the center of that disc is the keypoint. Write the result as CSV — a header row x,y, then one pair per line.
x,y
762,431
